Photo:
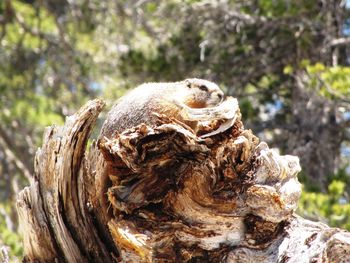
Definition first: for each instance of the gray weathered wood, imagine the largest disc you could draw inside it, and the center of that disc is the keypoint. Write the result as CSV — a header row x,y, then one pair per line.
x,y
164,194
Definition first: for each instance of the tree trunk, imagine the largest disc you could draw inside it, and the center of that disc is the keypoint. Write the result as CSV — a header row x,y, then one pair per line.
x,y
164,194
318,135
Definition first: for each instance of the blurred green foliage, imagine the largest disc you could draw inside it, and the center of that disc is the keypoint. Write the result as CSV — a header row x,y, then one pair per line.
x,y
10,237
331,82
331,207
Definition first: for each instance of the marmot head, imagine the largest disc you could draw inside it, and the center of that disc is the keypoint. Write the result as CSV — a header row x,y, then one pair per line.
x,y
203,93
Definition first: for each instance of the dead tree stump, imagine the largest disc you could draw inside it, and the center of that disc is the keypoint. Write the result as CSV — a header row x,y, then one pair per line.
x,y
164,194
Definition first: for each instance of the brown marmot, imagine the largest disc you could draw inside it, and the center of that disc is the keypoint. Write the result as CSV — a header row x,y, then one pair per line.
x,y
138,105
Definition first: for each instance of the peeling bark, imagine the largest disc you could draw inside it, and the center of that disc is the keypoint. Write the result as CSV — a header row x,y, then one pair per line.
x,y
164,194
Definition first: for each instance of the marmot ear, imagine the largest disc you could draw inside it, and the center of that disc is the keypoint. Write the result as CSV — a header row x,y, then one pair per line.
x,y
188,83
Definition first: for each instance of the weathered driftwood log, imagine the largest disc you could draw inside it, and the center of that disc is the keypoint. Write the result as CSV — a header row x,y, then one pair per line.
x,y
164,194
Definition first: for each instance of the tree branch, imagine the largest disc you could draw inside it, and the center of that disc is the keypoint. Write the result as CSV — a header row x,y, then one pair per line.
x,y
339,41
5,143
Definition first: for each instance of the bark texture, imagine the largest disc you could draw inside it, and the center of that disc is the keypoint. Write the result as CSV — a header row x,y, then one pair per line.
x,y
164,194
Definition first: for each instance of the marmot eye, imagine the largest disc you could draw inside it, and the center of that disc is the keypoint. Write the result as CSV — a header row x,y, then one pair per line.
x,y
204,88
